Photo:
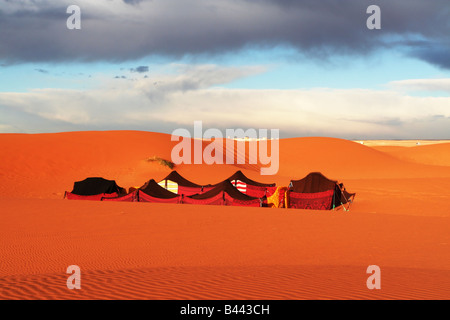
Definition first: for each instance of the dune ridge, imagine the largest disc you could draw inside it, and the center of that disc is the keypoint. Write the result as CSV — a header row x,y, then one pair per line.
x,y
45,165
436,155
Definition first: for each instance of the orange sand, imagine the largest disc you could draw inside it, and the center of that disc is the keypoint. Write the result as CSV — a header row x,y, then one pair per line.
x,y
400,221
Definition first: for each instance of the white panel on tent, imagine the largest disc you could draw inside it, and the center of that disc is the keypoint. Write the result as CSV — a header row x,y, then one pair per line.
x,y
169,185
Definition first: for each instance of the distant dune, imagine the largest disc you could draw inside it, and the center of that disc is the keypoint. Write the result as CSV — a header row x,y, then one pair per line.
x,y
400,143
399,221
436,154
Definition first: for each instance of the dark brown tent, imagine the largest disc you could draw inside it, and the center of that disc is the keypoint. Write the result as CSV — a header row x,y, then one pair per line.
x,y
250,187
180,180
151,191
239,175
326,193
223,193
177,183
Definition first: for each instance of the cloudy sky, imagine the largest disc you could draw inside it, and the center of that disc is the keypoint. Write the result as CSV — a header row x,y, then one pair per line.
x,y
306,67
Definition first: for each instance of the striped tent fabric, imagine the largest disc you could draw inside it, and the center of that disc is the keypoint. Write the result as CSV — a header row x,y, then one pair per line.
x,y
251,187
315,201
240,185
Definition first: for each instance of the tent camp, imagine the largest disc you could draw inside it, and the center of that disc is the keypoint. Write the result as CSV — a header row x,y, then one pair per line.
x,y
175,183
94,188
224,193
250,187
151,191
315,191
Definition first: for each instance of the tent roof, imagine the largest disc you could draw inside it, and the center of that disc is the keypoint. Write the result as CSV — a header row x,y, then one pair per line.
x,y
224,186
180,180
95,185
152,188
239,175
313,182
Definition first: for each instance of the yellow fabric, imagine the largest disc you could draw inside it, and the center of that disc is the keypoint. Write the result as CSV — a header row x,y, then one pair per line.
x,y
286,198
169,185
276,199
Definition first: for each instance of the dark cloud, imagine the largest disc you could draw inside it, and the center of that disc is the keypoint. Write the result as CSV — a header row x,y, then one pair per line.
x,y
140,69
178,27
436,54
132,1
41,70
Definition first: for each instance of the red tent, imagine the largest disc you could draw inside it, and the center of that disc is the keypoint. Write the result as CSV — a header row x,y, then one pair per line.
x,y
315,191
250,187
223,193
131,197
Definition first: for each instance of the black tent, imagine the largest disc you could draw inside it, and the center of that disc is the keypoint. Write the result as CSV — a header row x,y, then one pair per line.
x,y
95,185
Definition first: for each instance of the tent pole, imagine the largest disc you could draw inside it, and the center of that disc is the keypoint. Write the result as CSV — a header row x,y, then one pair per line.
x,y
346,200
334,204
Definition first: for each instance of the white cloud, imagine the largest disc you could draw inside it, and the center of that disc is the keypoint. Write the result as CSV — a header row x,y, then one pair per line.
x,y
6,128
169,101
429,85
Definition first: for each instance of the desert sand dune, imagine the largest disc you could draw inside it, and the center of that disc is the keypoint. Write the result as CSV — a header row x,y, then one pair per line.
x,y
399,221
252,282
436,154
192,250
